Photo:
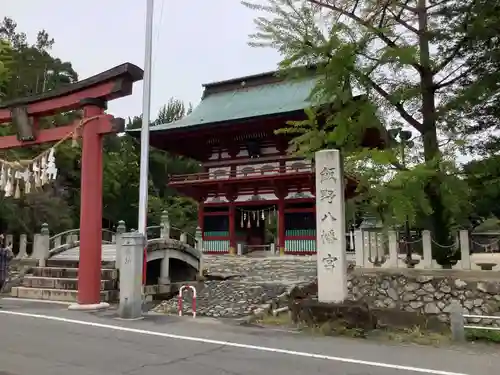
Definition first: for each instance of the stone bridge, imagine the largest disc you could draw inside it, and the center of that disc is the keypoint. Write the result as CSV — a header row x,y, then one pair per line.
x,y
172,254
169,259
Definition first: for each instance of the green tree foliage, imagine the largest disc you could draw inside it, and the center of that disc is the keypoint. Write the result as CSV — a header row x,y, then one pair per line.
x,y
477,83
403,58
27,69
124,152
483,178
33,69
5,54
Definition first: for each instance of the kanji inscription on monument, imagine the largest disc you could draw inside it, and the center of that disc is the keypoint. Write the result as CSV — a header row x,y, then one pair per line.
x,y
328,174
329,262
330,227
327,195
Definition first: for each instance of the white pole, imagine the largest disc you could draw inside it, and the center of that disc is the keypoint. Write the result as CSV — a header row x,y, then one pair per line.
x,y
146,109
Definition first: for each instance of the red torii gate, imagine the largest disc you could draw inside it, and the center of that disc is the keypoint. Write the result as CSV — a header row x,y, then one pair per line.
x,y
91,95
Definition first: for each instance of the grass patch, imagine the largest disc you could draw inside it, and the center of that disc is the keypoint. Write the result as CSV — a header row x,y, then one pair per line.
x,y
416,335
413,335
279,320
483,335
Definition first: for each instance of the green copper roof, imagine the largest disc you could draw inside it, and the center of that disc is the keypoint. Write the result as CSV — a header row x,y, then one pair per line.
x,y
247,102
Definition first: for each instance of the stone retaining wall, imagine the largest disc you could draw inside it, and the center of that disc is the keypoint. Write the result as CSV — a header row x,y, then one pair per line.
x,y
428,292
287,270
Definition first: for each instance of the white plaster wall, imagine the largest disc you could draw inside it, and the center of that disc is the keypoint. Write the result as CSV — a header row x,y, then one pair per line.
x,y
300,165
302,194
257,168
268,150
219,172
247,197
214,199
242,153
264,196
215,155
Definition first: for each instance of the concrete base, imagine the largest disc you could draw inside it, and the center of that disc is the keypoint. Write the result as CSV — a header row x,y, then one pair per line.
x,y
90,307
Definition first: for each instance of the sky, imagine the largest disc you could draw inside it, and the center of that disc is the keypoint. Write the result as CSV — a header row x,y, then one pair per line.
x,y
194,42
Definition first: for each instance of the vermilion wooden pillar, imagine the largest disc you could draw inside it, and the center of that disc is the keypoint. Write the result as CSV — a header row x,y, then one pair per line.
x,y
232,228
89,274
281,224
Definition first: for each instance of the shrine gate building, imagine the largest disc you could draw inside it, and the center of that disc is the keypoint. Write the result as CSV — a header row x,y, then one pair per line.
x,y
252,194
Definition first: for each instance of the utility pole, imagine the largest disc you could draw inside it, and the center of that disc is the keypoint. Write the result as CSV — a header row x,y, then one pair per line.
x,y
146,109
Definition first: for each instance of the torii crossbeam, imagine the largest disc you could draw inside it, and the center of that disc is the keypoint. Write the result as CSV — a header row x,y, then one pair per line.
x,y
91,95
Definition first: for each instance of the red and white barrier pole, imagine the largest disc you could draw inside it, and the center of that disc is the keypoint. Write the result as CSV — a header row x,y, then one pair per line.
x,y
179,302
179,299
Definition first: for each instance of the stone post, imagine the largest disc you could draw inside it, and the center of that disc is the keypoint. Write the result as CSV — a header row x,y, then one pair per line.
x,y
457,322
165,271
68,239
9,240
392,262
120,229
23,242
165,225
367,248
131,275
359,248
198,235
57,241
426,249
272,248
464,250
41,245
331,228
183,237
239,249
199,239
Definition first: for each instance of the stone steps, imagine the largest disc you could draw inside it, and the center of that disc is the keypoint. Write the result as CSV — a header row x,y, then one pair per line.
x,y
71,273
64,295
73,263
60,283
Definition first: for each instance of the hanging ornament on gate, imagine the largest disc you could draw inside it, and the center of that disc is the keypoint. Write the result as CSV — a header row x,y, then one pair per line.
x,y
19,177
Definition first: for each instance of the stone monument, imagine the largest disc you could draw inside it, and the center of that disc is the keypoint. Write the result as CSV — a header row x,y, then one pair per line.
x,y
131,259
330,227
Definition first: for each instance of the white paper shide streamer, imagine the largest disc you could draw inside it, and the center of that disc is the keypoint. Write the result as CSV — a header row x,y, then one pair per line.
x,y
17,178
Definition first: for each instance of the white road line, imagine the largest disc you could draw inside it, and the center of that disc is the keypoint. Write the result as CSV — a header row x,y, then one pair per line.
x,y
235,344
35,300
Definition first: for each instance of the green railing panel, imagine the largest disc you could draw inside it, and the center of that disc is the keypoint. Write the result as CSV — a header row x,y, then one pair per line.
x,y
300,246
300,232
216,234
221,246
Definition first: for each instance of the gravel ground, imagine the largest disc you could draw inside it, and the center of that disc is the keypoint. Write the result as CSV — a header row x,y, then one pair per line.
x,y
250,284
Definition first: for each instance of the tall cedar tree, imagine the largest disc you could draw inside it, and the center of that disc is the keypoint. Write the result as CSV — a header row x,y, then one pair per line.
x,y
404,57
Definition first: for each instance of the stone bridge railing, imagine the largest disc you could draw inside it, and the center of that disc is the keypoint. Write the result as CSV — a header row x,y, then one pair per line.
x,y
44,246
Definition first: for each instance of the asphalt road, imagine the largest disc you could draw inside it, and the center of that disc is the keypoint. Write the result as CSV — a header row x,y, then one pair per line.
x,y
47,339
